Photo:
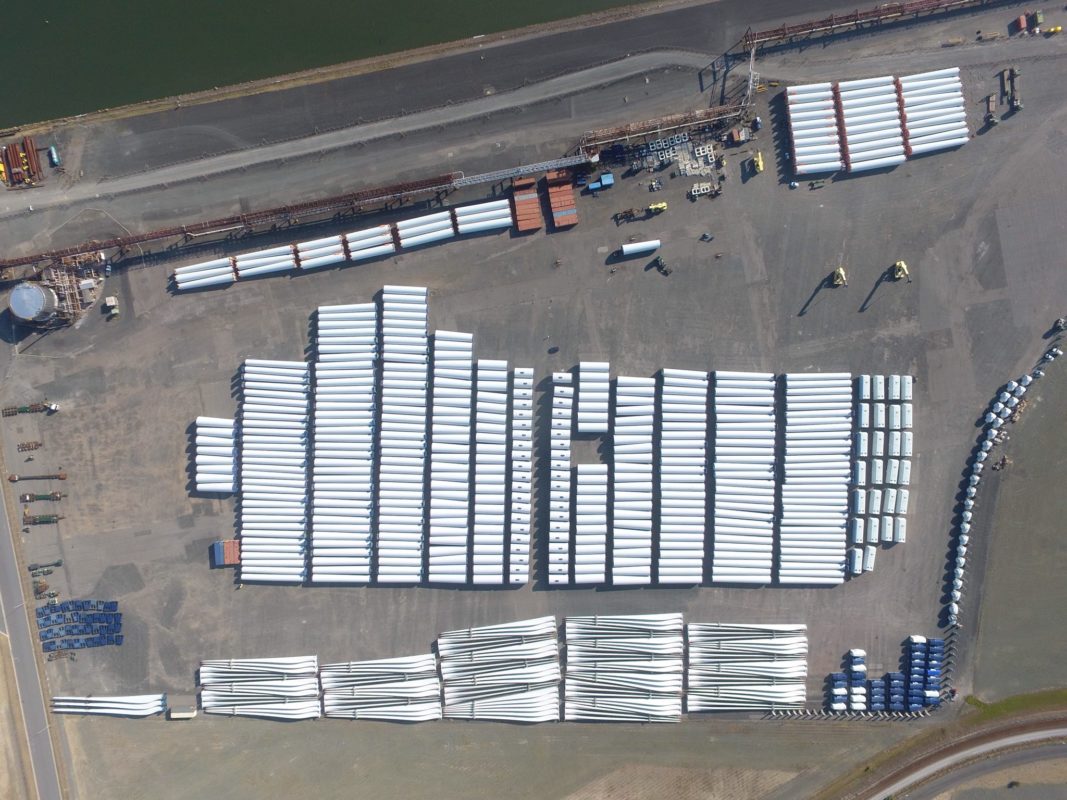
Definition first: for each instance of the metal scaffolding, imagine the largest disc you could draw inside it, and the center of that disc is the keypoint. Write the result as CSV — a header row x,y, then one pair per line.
x,y
856,20
624,133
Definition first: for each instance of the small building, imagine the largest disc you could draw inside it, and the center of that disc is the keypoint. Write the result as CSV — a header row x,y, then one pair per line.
x,y
181,706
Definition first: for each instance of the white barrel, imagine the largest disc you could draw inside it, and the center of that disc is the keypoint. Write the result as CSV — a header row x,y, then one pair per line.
x,y
638,248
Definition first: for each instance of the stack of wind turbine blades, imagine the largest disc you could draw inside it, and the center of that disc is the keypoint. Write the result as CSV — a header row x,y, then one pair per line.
x,y
274,416
490,472
624,668
138,705
593,394
273,688
370,243
870,123
933,110
215,451
492,215
426,229
520,501
343,468
405,689
450,457
265,262
682,463
813,131
217,272
504,672
402,437
590,523
559,526
319,253
632,484
816,475
744,469
740,667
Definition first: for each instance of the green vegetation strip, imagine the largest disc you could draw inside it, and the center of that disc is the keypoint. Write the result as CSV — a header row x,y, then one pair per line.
x,y
1015,709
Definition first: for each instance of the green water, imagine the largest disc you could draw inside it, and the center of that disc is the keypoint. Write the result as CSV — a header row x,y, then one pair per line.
x,y
65,57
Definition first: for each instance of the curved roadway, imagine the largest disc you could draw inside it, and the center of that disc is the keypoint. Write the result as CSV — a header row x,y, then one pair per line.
x,y
961,757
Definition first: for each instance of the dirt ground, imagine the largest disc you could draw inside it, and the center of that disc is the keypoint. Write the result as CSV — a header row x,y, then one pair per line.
x,y
988,280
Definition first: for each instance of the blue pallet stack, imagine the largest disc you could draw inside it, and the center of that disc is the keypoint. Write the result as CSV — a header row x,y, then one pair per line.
x,y
838,692
917,650
935,655
897,689
857,666
876,695
78,624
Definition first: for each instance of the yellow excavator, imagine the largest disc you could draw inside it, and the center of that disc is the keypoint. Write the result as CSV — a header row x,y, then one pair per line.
x,y
657,208
757,162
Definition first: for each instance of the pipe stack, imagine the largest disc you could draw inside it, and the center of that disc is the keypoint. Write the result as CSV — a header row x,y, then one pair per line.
x,y
218,272
632,435
520,455
813,129
594,392
450,457
870,123
590,523
320,253
266,262
682,476
402,461
215,470
744,469
559,528
932,109
342,478
818,431
494,215
273,510
490,472
370,243
425,229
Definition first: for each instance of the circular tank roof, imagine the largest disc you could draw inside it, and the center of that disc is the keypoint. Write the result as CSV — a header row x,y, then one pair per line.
x,y
32,302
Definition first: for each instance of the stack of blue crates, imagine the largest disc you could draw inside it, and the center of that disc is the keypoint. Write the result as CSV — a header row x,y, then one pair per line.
x,y
897,699
857,677
935,657
876,695
79,624
925,657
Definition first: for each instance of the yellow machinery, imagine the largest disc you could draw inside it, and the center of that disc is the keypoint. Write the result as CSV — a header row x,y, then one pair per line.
x,y
900,270
657,208
757,162
839,277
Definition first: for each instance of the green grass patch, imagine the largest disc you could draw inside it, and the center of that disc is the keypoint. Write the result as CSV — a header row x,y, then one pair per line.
x,y
1049,700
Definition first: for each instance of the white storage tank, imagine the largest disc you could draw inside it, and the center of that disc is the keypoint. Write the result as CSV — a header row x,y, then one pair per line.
x,y
33,302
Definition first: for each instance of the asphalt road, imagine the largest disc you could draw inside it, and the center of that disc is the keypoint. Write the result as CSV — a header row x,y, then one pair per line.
x,y
27,678
962,757
1015,759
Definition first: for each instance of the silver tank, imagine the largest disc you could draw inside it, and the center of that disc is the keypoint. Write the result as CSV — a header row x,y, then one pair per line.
x,y
33,302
